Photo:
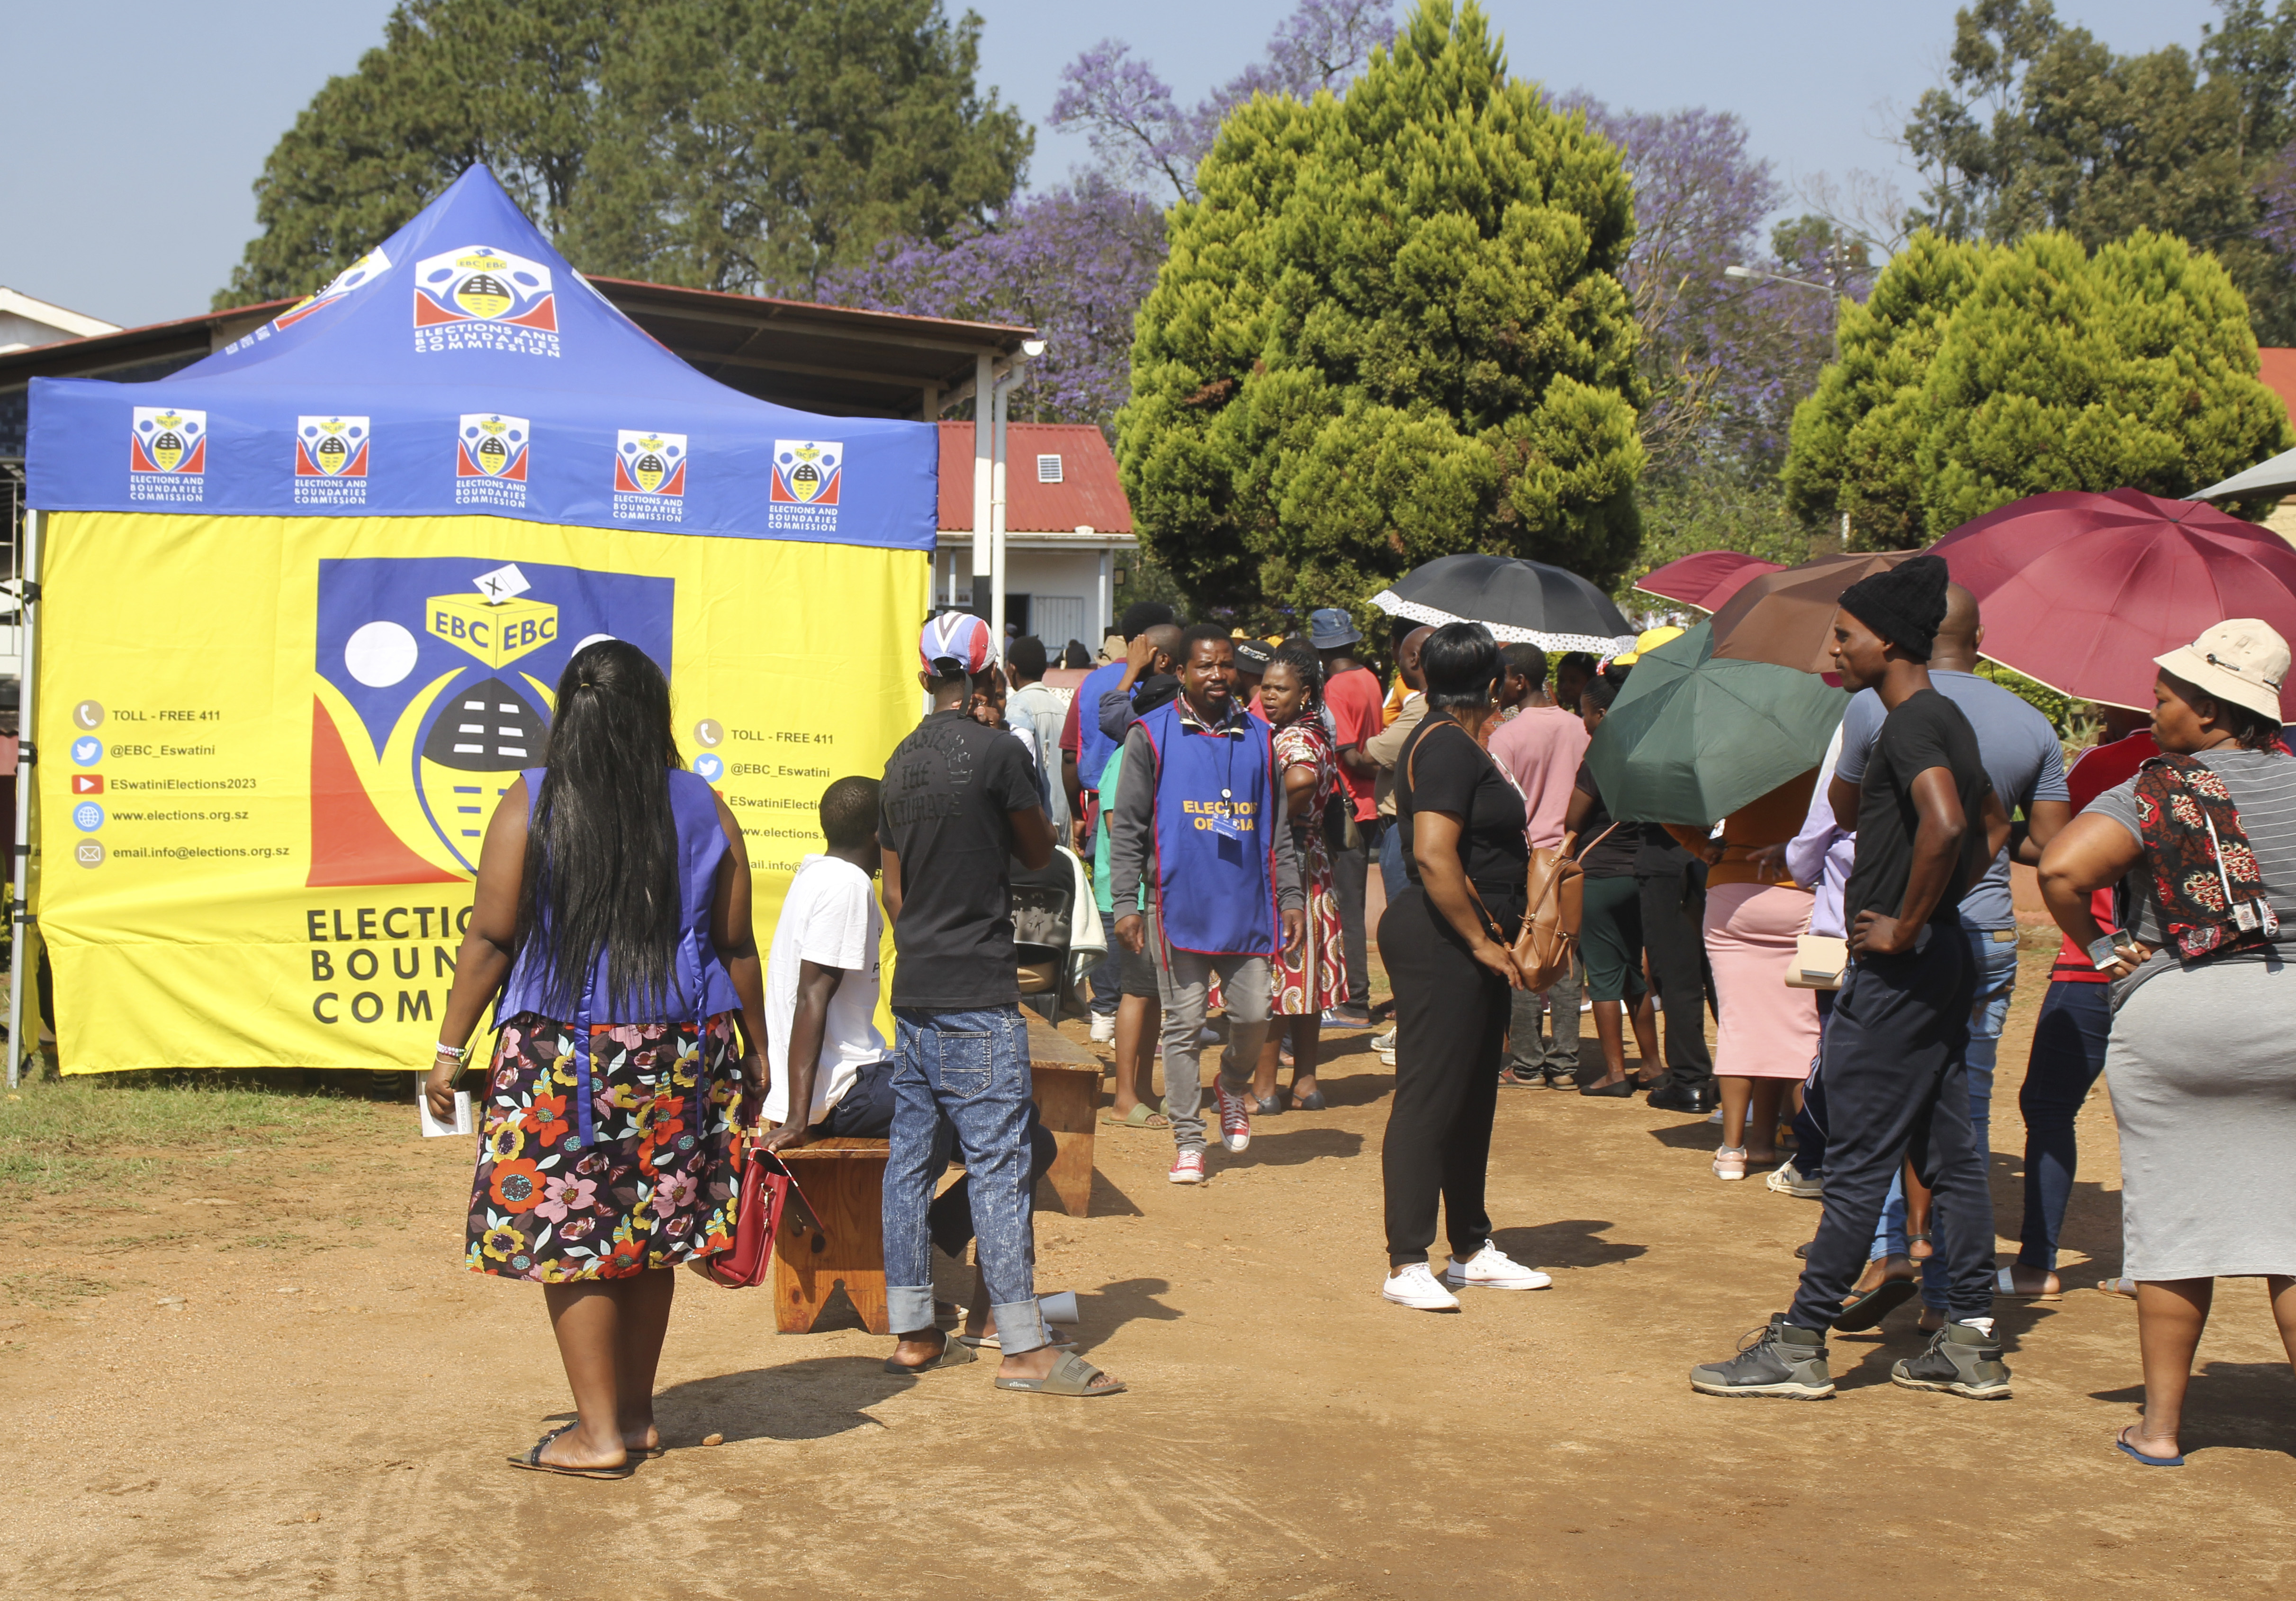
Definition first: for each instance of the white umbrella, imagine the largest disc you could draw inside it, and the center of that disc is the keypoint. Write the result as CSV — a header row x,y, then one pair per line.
x,y
2275,477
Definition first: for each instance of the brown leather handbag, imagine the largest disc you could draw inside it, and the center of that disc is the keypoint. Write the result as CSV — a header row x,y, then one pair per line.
x,y
1548,943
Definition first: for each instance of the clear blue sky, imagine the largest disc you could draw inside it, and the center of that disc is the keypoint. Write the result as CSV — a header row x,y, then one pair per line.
x,y
132,129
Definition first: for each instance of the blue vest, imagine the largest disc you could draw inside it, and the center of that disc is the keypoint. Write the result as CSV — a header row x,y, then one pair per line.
x,y
1215,890
1094,748
700,986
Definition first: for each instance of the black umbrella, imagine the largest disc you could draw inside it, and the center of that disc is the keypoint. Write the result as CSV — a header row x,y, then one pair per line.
x,y
1520,602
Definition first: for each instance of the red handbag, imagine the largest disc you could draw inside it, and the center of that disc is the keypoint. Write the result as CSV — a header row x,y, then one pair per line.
x,y
767,1186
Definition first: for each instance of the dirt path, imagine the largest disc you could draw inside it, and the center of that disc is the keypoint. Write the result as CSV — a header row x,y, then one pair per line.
x,y
1289,1435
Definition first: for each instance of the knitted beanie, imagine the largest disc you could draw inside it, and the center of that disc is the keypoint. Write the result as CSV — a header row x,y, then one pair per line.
x,y
1905,604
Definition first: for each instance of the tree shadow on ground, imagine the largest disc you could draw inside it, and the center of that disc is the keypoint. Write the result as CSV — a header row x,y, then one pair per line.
x,y
2245,1406
1567,1242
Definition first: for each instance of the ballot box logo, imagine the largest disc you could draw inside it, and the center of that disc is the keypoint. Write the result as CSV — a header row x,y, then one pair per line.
x,y
331,446
358,275
434,687
166,440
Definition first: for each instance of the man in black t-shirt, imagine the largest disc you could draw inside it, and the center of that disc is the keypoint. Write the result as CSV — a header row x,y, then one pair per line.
x,y
960,803
1896,1078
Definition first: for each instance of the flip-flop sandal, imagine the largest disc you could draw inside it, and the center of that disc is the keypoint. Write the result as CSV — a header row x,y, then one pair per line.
x,y
953,1353
1925,1239
1139,1117
1071,1374
1511,1079
1313,1101
2121,1442
532,1461
2118,1287
2004,1284
1058,1338
1864,1311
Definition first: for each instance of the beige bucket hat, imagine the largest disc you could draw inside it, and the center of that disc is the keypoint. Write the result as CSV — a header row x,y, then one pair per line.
x,y
2241,659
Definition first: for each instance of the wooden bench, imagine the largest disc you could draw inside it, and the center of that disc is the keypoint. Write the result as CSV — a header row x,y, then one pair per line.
x,y
844,1183
1066,1078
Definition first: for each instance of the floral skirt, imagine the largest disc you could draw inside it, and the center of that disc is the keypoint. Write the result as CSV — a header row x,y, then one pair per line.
x,y
655,1185
1316,979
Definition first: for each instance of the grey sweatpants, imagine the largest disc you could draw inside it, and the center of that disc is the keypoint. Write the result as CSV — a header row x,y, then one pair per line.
x,y
1182,979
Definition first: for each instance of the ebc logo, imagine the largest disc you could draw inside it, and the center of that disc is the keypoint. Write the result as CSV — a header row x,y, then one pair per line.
x,y
649,476
479,297
358,275
166,440
331,446
489,445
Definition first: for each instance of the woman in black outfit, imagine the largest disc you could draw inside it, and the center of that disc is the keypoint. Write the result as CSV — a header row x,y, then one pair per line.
x,y
1445,941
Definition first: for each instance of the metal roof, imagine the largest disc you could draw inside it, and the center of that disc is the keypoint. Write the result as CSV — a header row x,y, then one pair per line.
x,y
1088,494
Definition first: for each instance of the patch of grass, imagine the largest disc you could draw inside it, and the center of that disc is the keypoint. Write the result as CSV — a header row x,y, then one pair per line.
x,y
49,1290
84,1133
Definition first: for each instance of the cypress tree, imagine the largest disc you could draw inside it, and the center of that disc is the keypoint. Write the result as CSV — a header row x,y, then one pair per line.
x,y
1390,328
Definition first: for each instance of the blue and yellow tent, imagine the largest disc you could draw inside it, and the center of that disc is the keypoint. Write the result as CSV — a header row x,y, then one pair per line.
x,y
304,602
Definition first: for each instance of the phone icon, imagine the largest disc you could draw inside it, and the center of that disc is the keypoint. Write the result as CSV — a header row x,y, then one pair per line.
x,y
88,714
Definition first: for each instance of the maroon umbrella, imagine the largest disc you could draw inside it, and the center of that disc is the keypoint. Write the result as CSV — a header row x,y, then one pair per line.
x,y
2082,590
1705,579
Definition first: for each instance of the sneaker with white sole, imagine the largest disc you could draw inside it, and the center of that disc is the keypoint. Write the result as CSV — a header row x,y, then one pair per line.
x,y
1236,1117
1788,1179
1187,1168
1730,1162
1415,1286
1103,1029
1492,1268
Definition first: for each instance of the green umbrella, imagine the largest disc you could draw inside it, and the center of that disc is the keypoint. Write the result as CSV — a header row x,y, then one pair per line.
x,y
1693,736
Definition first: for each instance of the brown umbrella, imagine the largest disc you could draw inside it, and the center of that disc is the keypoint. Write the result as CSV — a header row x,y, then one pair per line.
x,y
1787,617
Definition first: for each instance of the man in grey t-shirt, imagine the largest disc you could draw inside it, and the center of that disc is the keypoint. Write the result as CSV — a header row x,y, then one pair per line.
x,y
2026,763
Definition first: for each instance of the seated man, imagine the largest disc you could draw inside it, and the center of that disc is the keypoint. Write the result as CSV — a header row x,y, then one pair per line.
x,y
824,1054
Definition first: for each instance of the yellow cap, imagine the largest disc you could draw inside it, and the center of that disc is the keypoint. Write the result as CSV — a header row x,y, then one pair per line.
x,y
1650,639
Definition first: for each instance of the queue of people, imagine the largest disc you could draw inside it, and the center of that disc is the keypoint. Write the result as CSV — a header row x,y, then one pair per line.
x,y
1851,929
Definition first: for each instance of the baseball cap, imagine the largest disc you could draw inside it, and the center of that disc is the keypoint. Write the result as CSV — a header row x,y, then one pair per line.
x,y
954,641
2243,661
1332,628
1253,657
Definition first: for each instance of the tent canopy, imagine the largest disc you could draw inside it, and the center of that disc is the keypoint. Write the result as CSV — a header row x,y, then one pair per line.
x,y
463,367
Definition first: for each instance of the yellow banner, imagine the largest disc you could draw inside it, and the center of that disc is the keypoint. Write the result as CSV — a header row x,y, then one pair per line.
x,y
270,746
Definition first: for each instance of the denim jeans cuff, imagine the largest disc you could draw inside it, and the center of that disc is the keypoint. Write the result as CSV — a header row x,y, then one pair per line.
x,y
1020,1326
906,1310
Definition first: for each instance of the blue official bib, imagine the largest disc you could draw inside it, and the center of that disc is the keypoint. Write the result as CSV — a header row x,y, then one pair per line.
x,y
1217,811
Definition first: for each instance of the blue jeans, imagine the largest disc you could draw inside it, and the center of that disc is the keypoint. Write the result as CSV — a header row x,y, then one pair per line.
x,y
961,1075
2068,1054
1108,980
1391,875
1996,961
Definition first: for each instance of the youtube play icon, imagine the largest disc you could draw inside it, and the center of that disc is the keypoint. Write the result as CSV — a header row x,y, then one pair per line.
x,y
87,783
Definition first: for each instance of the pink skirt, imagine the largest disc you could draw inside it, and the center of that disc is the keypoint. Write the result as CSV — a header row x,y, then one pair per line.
x,y
1768,1030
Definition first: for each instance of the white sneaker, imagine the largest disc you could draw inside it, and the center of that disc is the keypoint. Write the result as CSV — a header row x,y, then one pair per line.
x,y
1730,1162
1384,1043
1788,1179
1187,1168
1492,1268
1103,1029
1415,1286
1235,1118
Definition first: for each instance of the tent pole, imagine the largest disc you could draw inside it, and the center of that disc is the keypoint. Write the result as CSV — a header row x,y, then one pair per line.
x,y
984,385
28,754
997,481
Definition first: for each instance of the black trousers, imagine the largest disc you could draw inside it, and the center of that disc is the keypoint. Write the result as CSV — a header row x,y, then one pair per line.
x,y
1350,875
1677,947
866,1113
1896,1083
1451,1020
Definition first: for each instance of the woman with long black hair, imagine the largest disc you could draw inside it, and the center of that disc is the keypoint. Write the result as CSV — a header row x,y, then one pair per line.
x,y
1446,942
612,914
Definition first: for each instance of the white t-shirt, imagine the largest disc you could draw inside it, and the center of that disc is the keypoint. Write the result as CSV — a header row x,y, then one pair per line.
x,y
830,917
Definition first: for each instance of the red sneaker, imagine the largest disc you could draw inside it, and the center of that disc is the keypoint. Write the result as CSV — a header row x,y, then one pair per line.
x,y
1235,1118
1187,1168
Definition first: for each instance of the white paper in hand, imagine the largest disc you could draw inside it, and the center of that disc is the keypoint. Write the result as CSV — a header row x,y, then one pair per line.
x,y
432,1127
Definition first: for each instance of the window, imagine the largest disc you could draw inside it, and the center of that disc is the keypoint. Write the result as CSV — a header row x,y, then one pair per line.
x,y
1049,469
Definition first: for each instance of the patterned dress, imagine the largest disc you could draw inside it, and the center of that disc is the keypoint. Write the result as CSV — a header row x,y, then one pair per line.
x,y
655,1186
1317,979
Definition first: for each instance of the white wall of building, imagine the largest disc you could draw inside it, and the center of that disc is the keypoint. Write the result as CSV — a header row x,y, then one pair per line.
x,y
1068,584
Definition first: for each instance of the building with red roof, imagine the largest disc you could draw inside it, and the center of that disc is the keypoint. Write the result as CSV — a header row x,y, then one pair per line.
x,y
1065,518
